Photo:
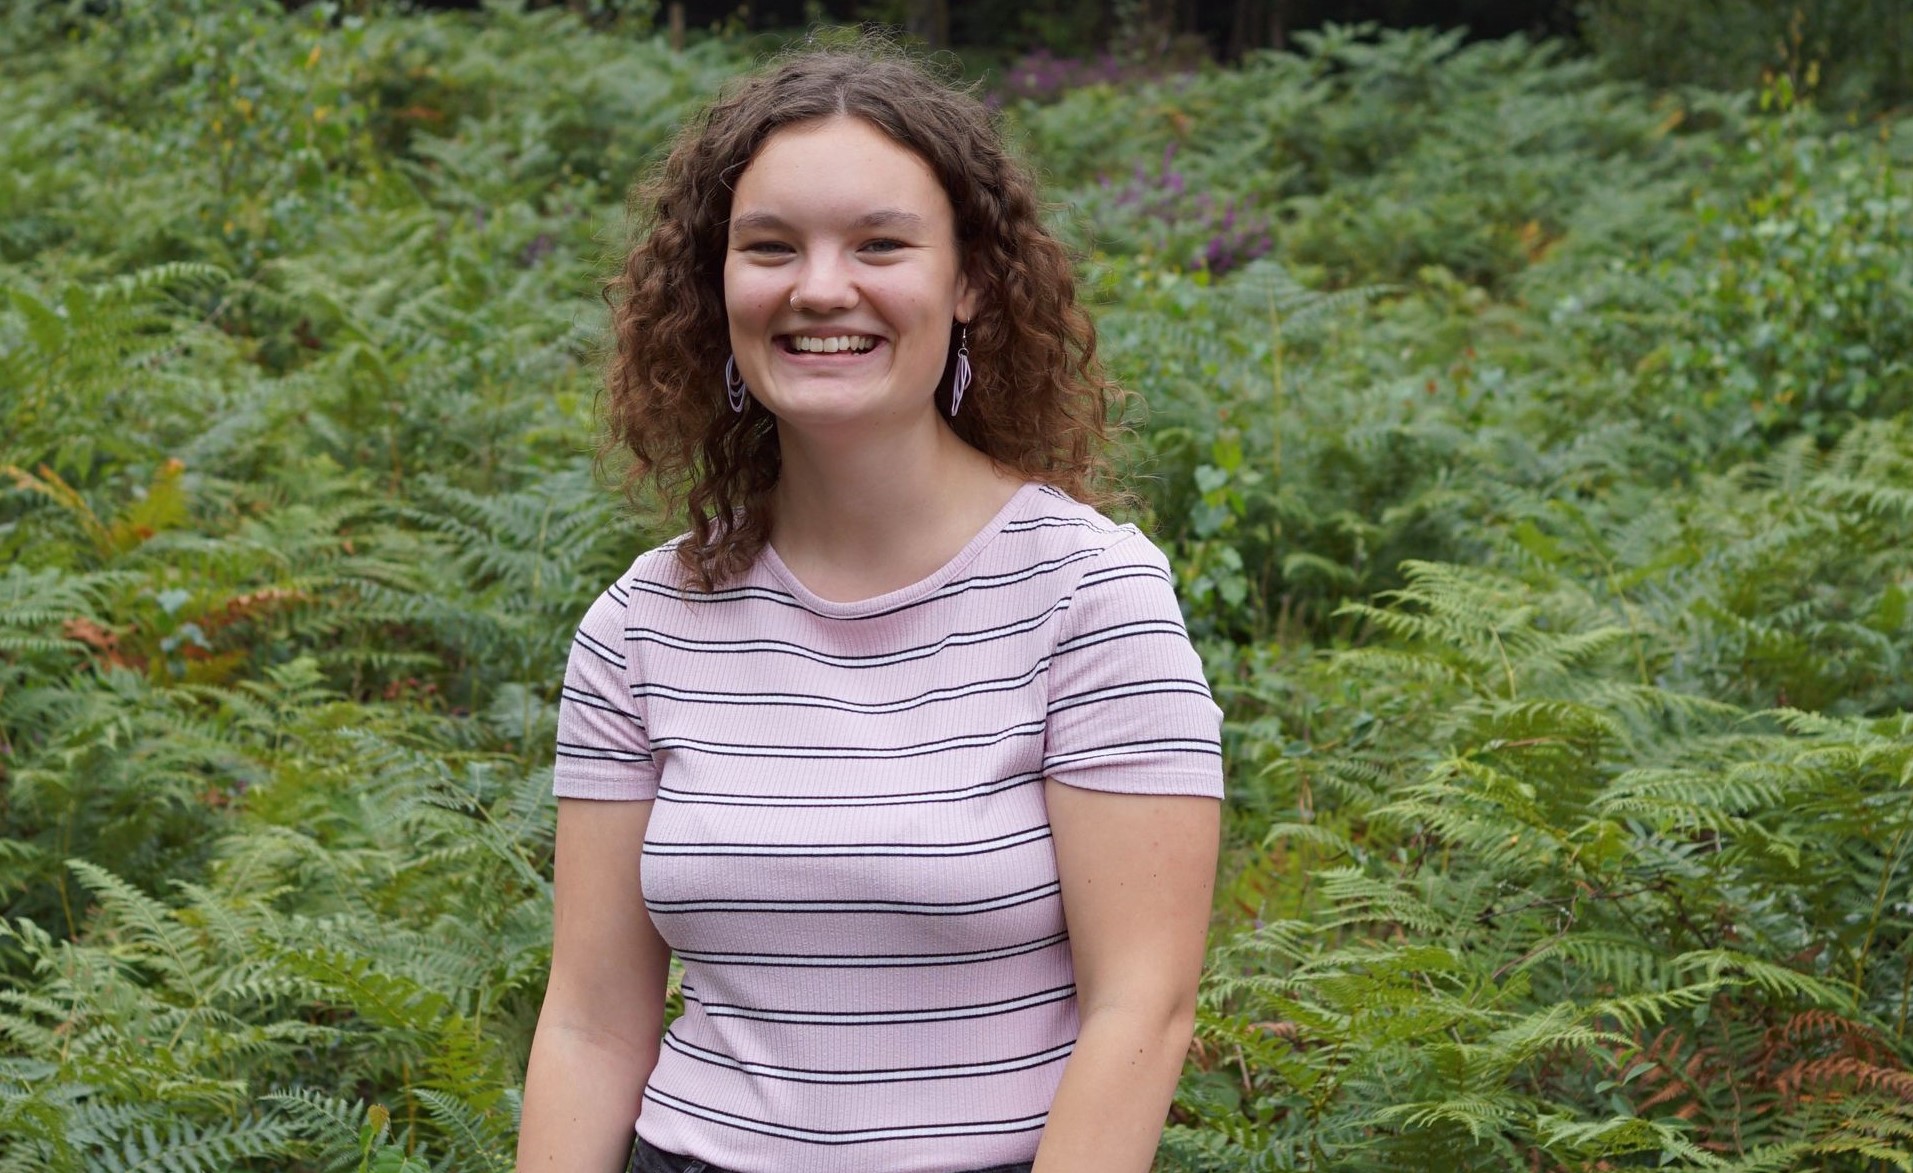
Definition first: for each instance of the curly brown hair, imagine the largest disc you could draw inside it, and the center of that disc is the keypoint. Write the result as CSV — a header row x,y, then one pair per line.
x,y
1039,406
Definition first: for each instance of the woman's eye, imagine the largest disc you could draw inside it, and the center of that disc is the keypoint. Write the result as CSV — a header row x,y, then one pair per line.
x,y
884,246
767,247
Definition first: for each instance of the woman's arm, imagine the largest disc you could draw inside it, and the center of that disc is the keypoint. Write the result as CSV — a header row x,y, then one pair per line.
x,y
1138,874
598,1031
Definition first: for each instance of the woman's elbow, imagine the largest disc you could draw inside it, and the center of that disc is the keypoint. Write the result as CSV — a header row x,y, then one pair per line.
x,y
1161,1020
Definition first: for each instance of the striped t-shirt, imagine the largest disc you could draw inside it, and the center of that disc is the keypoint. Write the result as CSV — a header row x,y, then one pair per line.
x,y
850,851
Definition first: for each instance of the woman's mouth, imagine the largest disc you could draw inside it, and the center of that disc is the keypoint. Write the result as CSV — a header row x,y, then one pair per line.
x,y
846,344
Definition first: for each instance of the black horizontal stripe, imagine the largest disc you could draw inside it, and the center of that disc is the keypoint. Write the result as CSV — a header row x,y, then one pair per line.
x,y
908,798
1120,571
1126,749
891,907
603,651
872,660
602,753
850,752
851,850
871,1075
799,700
1051,521
844,1136
871,960
735,594
592,700
1118,692
1103,635
982,582
990,582
996,1009
952,589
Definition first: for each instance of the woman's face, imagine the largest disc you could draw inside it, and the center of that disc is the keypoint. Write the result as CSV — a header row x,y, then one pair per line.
x,y
842,277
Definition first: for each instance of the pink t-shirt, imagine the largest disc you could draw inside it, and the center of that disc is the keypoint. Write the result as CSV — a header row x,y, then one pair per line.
x,y
850,851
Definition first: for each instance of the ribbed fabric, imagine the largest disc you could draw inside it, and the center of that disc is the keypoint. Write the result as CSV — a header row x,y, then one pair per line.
x,y
850,850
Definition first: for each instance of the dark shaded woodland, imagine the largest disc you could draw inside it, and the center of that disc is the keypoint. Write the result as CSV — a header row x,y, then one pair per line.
x,y
1230,27
1863,49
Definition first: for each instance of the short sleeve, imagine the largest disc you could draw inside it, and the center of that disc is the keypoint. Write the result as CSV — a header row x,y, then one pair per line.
x,y
1129,710
603,748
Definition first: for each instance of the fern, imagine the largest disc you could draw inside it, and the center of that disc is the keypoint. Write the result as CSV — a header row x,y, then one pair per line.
x,y
1538,498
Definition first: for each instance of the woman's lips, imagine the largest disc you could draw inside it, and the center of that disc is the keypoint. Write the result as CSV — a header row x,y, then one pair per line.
x,y
785,349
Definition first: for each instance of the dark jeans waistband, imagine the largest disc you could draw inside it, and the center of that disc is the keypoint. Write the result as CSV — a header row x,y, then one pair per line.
x,y
648,1158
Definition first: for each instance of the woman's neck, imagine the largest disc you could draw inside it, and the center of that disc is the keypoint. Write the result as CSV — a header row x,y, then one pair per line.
x,y
857,518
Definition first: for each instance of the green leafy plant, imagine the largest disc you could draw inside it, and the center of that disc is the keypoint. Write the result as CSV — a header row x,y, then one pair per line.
x,y
1537,492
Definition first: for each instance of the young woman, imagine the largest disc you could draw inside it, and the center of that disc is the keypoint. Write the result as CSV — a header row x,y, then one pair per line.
x,y
902,748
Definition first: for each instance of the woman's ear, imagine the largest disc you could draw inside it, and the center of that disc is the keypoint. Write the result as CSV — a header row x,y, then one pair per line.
x,y
966,297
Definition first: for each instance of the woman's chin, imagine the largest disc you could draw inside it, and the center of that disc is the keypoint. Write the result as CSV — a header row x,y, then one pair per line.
x,y
845,409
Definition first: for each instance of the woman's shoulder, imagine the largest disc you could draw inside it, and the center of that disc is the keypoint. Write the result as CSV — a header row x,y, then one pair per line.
x,y
1063,527
660,565
655,573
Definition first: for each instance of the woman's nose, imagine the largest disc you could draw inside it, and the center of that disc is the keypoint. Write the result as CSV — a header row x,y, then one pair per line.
x,y
824,283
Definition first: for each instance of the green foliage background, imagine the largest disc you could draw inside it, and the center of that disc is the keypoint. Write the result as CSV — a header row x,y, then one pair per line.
x,y
1534,450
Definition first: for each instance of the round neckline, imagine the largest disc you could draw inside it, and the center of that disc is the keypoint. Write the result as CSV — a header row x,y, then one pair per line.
x,y
812,601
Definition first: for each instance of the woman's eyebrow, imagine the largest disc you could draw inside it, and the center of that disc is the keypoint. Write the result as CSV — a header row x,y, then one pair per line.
x,y
758,222
889,218
877,218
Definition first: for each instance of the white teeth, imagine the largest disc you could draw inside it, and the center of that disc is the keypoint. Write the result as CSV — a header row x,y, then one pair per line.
x,y
833,344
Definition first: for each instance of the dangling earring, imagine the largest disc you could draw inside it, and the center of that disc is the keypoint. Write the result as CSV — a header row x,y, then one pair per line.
x,y
734,385
960,381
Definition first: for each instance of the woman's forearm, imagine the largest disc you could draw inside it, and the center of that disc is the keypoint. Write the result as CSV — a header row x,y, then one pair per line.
x,y
582,1093
1114,1098
598,1029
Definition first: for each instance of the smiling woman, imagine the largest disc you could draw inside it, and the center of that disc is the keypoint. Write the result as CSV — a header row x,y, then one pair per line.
x,y
902,748
1039,406
841,280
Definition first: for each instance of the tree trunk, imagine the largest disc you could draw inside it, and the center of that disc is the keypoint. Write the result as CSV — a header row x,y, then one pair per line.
x,y
1156,24
1246,28
1187,21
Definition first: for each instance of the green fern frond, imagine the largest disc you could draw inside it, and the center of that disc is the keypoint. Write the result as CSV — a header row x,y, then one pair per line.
x,y
164,942
388,1000
185,1147
1775,980
479,1140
